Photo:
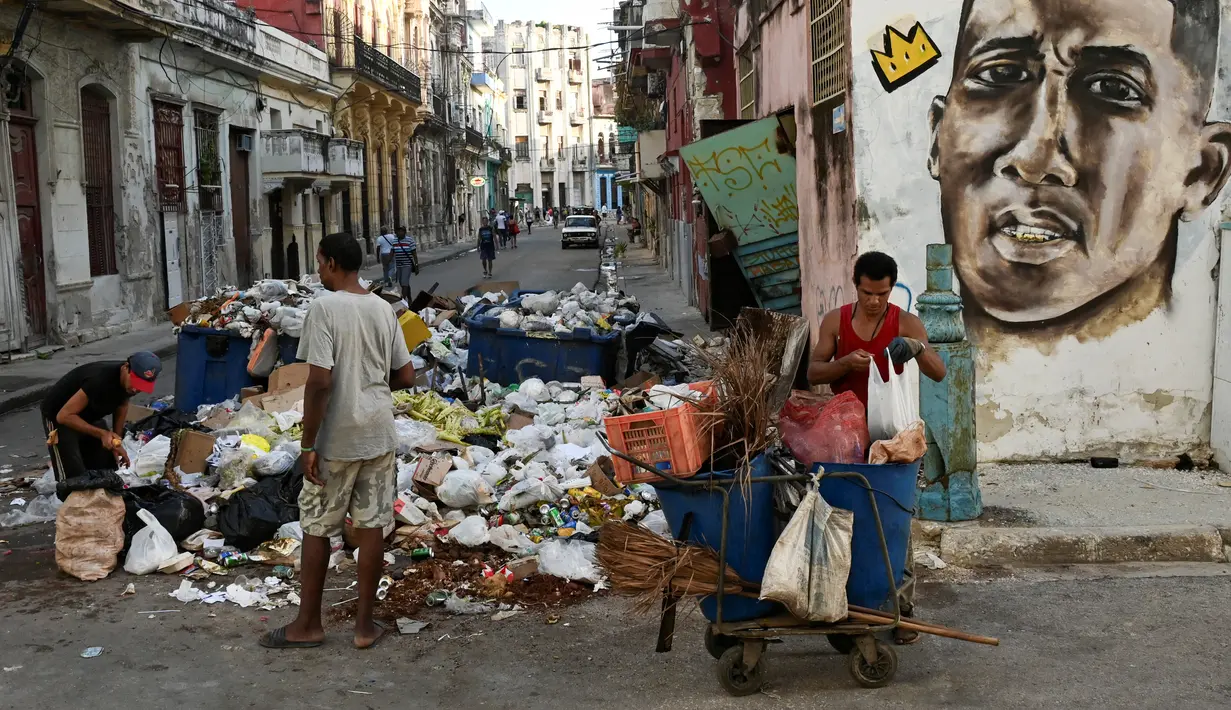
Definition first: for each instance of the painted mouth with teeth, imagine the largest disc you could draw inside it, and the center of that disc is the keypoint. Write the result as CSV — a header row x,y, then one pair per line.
x,y
1034,236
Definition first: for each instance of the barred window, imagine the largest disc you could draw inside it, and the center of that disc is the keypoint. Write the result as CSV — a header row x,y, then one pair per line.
x,y
828,35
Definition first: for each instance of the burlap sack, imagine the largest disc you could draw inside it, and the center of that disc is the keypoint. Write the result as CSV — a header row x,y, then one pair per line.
x,y
90,534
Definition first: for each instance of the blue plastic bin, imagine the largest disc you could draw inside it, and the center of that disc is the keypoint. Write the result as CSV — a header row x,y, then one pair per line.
x,y
211,365
894,487
511,355
750,533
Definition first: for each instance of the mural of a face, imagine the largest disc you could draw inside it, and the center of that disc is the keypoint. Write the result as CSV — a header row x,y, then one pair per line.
x,y
1072,139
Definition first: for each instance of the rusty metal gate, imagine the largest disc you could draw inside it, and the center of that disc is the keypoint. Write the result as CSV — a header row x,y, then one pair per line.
x,y
99,194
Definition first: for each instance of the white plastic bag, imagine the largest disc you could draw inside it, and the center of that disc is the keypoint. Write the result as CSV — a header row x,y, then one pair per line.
x,y
151,546
510,539
462,489
152,459
471,532
575,560
892,405
411,434
809,565
529,491
273,463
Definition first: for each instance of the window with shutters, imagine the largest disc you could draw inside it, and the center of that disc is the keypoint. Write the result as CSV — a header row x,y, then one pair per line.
x,y
747,84
523,147
99,192
827,19
169,155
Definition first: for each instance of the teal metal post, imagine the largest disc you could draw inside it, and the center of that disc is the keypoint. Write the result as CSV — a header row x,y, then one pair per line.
x,y
948,406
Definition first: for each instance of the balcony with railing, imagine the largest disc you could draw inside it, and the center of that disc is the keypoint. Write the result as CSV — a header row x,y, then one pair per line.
x,y
547,163
545,74
574,76
546,116
577,118
346,159
349,51
474,139
293,153
581,158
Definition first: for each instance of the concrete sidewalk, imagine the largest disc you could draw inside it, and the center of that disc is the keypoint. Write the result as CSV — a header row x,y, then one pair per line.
x,y
26,381
1059,514
641,276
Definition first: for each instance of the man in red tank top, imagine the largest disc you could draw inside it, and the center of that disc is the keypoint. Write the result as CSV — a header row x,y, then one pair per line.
x,y
873,330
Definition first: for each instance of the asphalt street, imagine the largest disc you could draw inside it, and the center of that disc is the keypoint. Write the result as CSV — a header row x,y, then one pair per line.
x,y
1151,637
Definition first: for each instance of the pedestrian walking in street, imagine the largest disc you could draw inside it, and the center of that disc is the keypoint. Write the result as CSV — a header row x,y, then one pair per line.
x,y
514,230
405,260
502,228
619,214
487,248
384,250
356,356
75,409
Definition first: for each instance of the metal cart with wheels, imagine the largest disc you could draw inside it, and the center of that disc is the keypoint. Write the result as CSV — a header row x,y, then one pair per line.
x,y
739,646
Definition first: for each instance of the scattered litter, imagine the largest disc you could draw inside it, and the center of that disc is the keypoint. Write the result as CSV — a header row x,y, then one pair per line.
x,y
92,652
929,559
502,615
18,501
162,611
1147,484
410,626
129,590
10,669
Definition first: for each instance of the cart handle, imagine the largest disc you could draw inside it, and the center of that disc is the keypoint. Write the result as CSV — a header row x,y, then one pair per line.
x,y
672,480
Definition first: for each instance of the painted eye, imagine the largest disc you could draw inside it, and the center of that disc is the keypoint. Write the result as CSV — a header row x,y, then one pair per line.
x,y
1115,89
1005,74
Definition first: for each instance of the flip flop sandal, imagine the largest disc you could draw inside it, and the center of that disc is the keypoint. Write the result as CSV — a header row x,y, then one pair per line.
x,y
906,637
277,639
384,631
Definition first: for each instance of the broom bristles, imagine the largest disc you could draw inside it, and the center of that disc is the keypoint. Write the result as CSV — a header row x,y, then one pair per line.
x,y
644,565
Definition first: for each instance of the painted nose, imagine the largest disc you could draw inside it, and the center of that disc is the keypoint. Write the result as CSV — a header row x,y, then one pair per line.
x,y
1041,156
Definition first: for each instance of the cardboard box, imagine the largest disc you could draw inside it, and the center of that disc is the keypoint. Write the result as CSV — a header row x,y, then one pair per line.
x,y
519,420
431,473
136,413
249,392
217,421
179,313
280,401
522,567
644,380
442,317
288,377
194,448
601,473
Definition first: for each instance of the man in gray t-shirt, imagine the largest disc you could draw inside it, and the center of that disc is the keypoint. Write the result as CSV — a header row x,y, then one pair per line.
x,y
357,356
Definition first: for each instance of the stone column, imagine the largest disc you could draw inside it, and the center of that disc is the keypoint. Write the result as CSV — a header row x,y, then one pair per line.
x,y
948,407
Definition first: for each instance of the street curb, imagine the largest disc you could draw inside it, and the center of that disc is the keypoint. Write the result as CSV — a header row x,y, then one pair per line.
x,y
976,546
30,395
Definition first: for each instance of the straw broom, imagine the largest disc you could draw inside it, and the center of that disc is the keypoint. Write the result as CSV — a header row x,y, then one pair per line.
x,y
642,564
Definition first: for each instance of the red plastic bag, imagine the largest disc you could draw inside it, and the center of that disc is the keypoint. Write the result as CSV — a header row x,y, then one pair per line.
x,y
833,432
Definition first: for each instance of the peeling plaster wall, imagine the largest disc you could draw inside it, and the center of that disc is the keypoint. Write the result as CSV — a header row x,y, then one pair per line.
x,y
81,308
1128,375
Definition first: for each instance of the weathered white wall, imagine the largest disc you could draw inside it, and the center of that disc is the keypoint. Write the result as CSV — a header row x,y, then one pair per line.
x,y
1134,380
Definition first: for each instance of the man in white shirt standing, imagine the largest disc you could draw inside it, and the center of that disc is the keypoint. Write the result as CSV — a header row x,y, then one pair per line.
x,y
502,228
356,356
384,247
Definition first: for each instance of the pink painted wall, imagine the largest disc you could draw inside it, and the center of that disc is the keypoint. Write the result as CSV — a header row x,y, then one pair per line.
x,y
824,175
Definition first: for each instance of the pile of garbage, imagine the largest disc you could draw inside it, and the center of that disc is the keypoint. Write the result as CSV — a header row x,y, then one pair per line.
x,y
566,311
269,303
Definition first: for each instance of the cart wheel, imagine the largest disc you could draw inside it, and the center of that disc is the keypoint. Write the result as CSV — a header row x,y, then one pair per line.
x,y
734,678
717,644
878,673
842,643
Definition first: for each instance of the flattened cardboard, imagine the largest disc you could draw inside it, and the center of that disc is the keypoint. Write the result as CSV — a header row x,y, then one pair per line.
x,y
217,421
194,448
442,317
249,392
431,473
519,420
179,313
136,413
288,377
600,481
280,401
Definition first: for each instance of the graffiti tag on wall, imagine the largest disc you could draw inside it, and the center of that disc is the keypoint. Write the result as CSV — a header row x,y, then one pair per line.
x,y
904,57
748,185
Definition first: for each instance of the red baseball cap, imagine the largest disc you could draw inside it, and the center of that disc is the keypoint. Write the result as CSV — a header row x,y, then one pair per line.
x,y
143,369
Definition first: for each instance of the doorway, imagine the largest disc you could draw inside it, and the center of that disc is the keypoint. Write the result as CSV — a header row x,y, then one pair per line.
x,y
99,194
241,145
277,254
29,214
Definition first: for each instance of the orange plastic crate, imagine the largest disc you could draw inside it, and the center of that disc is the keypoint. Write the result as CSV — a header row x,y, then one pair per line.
x,y
673,436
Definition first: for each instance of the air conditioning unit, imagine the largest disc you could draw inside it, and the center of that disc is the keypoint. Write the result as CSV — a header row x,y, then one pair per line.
x,y
245,143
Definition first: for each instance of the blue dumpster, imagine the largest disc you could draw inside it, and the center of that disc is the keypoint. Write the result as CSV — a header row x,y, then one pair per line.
x,y
211,365
750,533
894,486
512,355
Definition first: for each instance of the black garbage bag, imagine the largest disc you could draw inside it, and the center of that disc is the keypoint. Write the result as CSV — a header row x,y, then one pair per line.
x,y
180,513
253,516
645,329
164,423
88,481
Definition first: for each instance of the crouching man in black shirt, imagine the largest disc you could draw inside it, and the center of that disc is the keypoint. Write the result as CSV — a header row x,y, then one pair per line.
x,y
74,411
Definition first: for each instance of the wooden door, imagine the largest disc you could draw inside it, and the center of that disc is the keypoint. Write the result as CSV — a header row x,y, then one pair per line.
x,y
29,224
240,192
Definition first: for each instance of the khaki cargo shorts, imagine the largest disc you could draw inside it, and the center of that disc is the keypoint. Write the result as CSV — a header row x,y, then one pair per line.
x,y
365,489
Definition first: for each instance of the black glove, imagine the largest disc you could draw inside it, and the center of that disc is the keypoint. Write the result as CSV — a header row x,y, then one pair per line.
x,y
903,350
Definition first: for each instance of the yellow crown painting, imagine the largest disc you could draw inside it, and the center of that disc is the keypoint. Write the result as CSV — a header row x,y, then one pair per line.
x,y
905,56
